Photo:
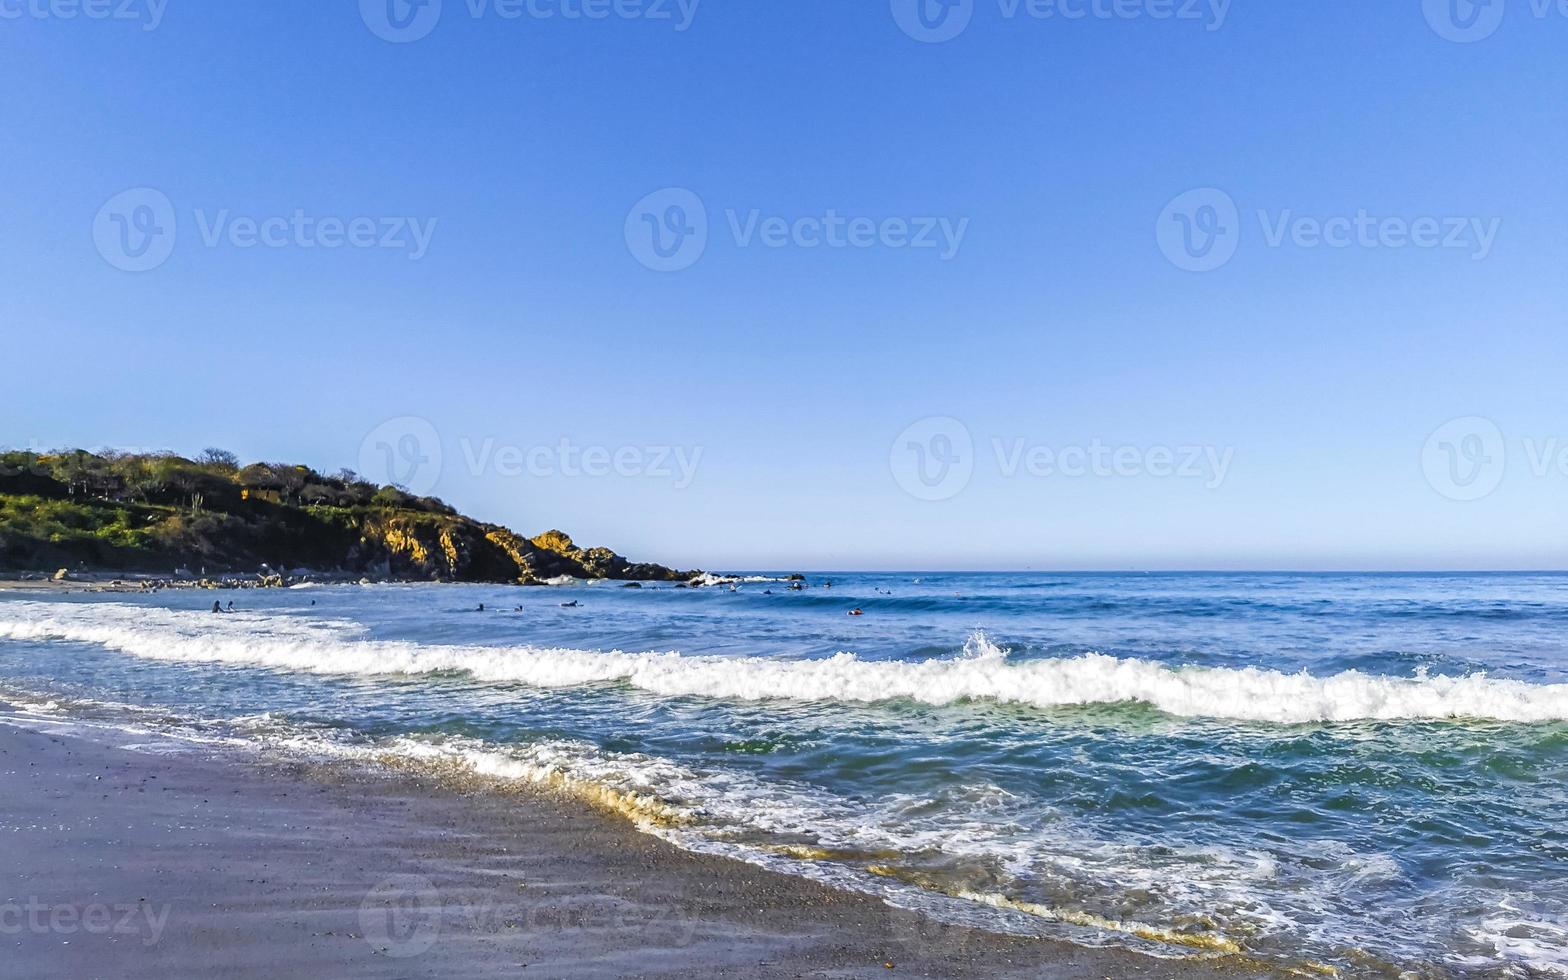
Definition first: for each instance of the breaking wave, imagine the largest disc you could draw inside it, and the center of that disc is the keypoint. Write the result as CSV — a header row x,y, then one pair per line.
x,y
982,673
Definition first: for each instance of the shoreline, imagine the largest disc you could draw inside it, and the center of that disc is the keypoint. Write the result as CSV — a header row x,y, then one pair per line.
x,y
148,582
135,855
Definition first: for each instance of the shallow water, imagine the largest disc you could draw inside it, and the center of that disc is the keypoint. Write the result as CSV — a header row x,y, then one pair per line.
x,y
1363,771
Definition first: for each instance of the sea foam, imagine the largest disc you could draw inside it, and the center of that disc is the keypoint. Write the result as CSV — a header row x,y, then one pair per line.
x,y
983,673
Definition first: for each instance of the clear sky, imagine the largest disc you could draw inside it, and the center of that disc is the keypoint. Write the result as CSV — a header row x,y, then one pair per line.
x,y
881,228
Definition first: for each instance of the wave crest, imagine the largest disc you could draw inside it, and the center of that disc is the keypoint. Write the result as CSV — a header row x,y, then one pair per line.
x,y
982,673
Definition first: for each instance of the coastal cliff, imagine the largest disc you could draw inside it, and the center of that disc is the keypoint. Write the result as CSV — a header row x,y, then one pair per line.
x,y
140,512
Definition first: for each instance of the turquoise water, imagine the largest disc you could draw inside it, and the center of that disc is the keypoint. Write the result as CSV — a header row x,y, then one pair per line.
x,y
1364,771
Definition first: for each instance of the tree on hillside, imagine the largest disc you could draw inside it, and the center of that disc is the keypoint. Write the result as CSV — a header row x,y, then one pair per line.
x,y
219,459
287,481
85,474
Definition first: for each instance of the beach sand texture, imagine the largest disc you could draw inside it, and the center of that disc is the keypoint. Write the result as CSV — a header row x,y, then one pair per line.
x,y
123,858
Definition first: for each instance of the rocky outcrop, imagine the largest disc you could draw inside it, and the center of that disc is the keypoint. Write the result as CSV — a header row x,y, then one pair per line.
x,y
456,549
556,551
152,512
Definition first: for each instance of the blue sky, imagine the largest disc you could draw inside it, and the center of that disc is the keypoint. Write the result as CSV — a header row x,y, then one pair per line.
x,y
768,403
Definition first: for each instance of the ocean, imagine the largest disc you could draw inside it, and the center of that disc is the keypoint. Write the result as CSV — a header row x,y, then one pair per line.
x,y
1364,772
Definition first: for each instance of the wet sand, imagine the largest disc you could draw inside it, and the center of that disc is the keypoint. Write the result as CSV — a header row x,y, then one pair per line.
x,y
122,857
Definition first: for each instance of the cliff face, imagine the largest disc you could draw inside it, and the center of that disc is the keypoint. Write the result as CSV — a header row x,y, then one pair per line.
x,y
123,513
457,549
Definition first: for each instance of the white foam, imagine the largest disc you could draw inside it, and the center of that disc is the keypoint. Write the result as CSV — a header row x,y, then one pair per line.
x,y
1537,943
709,578
984,672
1262,899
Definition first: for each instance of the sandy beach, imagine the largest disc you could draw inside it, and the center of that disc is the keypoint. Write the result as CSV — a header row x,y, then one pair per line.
x,y
129,858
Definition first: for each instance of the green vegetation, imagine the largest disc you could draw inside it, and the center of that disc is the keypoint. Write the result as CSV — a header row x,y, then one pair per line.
x,y
154,512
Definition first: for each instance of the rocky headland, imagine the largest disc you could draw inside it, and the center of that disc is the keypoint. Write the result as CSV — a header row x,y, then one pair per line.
x,y
167,519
